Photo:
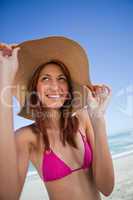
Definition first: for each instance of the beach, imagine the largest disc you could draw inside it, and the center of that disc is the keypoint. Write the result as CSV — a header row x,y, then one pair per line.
x,y
34,188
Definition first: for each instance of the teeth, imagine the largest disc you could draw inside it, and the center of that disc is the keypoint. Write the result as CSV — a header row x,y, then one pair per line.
x,y
53,96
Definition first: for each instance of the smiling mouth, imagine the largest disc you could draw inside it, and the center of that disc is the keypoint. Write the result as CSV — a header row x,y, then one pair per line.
x,y
54,96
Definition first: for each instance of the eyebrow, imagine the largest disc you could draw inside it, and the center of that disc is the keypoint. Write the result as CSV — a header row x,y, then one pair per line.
x,y
50,75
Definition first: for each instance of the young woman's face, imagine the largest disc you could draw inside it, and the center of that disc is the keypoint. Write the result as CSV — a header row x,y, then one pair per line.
x,y
52,86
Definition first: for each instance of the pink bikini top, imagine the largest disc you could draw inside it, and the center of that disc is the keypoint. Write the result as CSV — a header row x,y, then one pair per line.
x,y
54,168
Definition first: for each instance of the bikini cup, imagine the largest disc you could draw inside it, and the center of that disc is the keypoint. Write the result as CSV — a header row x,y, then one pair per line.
x,y
55,168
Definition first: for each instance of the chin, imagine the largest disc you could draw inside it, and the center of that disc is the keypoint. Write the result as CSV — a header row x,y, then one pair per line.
x,y
53,105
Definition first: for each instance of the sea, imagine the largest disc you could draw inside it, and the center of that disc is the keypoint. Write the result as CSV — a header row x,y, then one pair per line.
x,y
120,144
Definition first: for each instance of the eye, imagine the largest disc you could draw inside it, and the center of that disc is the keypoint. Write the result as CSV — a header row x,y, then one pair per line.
x,y
62,78
45,78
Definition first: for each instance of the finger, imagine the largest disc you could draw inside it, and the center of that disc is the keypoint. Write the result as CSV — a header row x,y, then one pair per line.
x,y
104,89
101,94
107,100
6,52
8,46
91,88
15,52
108,90
4,45
97,90
14,45
89,92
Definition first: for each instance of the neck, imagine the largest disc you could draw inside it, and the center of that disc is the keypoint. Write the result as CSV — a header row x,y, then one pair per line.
x,y
53,118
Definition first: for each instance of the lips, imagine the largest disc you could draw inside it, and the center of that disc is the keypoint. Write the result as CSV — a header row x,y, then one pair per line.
x,y
54,96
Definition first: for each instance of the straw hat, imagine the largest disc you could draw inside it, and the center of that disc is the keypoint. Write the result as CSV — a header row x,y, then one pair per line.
x,y
35,52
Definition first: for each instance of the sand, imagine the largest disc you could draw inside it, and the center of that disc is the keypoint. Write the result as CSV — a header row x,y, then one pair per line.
x,y
34,188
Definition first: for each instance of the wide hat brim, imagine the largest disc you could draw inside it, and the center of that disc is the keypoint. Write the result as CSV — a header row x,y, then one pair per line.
x,y
33,53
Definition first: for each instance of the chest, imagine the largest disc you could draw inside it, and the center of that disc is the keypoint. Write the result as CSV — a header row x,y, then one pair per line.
x,y
69,155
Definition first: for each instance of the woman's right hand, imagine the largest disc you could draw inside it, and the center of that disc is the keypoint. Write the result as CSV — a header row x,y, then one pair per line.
x,y
8,61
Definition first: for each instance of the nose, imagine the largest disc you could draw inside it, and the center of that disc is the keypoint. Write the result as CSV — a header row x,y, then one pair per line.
x,y
54,85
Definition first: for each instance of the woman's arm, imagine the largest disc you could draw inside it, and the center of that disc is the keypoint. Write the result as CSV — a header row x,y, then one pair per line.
x,y
14,152
103,171
11,149
8,157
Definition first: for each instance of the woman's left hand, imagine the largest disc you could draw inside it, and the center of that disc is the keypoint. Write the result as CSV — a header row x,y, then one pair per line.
x,y
98,99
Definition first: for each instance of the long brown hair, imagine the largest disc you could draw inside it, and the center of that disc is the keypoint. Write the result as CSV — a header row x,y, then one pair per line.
x,y
68,124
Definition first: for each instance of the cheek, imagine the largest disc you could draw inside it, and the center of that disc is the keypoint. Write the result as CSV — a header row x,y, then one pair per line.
x,y
38,88
65,89
41,88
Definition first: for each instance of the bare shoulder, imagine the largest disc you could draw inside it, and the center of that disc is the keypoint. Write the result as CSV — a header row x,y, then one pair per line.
x,y
25,136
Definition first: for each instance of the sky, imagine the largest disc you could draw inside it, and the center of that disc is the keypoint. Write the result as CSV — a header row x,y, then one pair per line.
x,y
103,28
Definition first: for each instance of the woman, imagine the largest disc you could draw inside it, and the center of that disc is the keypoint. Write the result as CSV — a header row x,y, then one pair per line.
x,y
67,143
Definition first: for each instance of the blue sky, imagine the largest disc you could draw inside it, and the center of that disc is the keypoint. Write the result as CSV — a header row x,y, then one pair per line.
x,y
103,28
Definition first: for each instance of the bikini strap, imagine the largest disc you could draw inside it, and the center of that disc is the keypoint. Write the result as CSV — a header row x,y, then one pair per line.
x,y
83,137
